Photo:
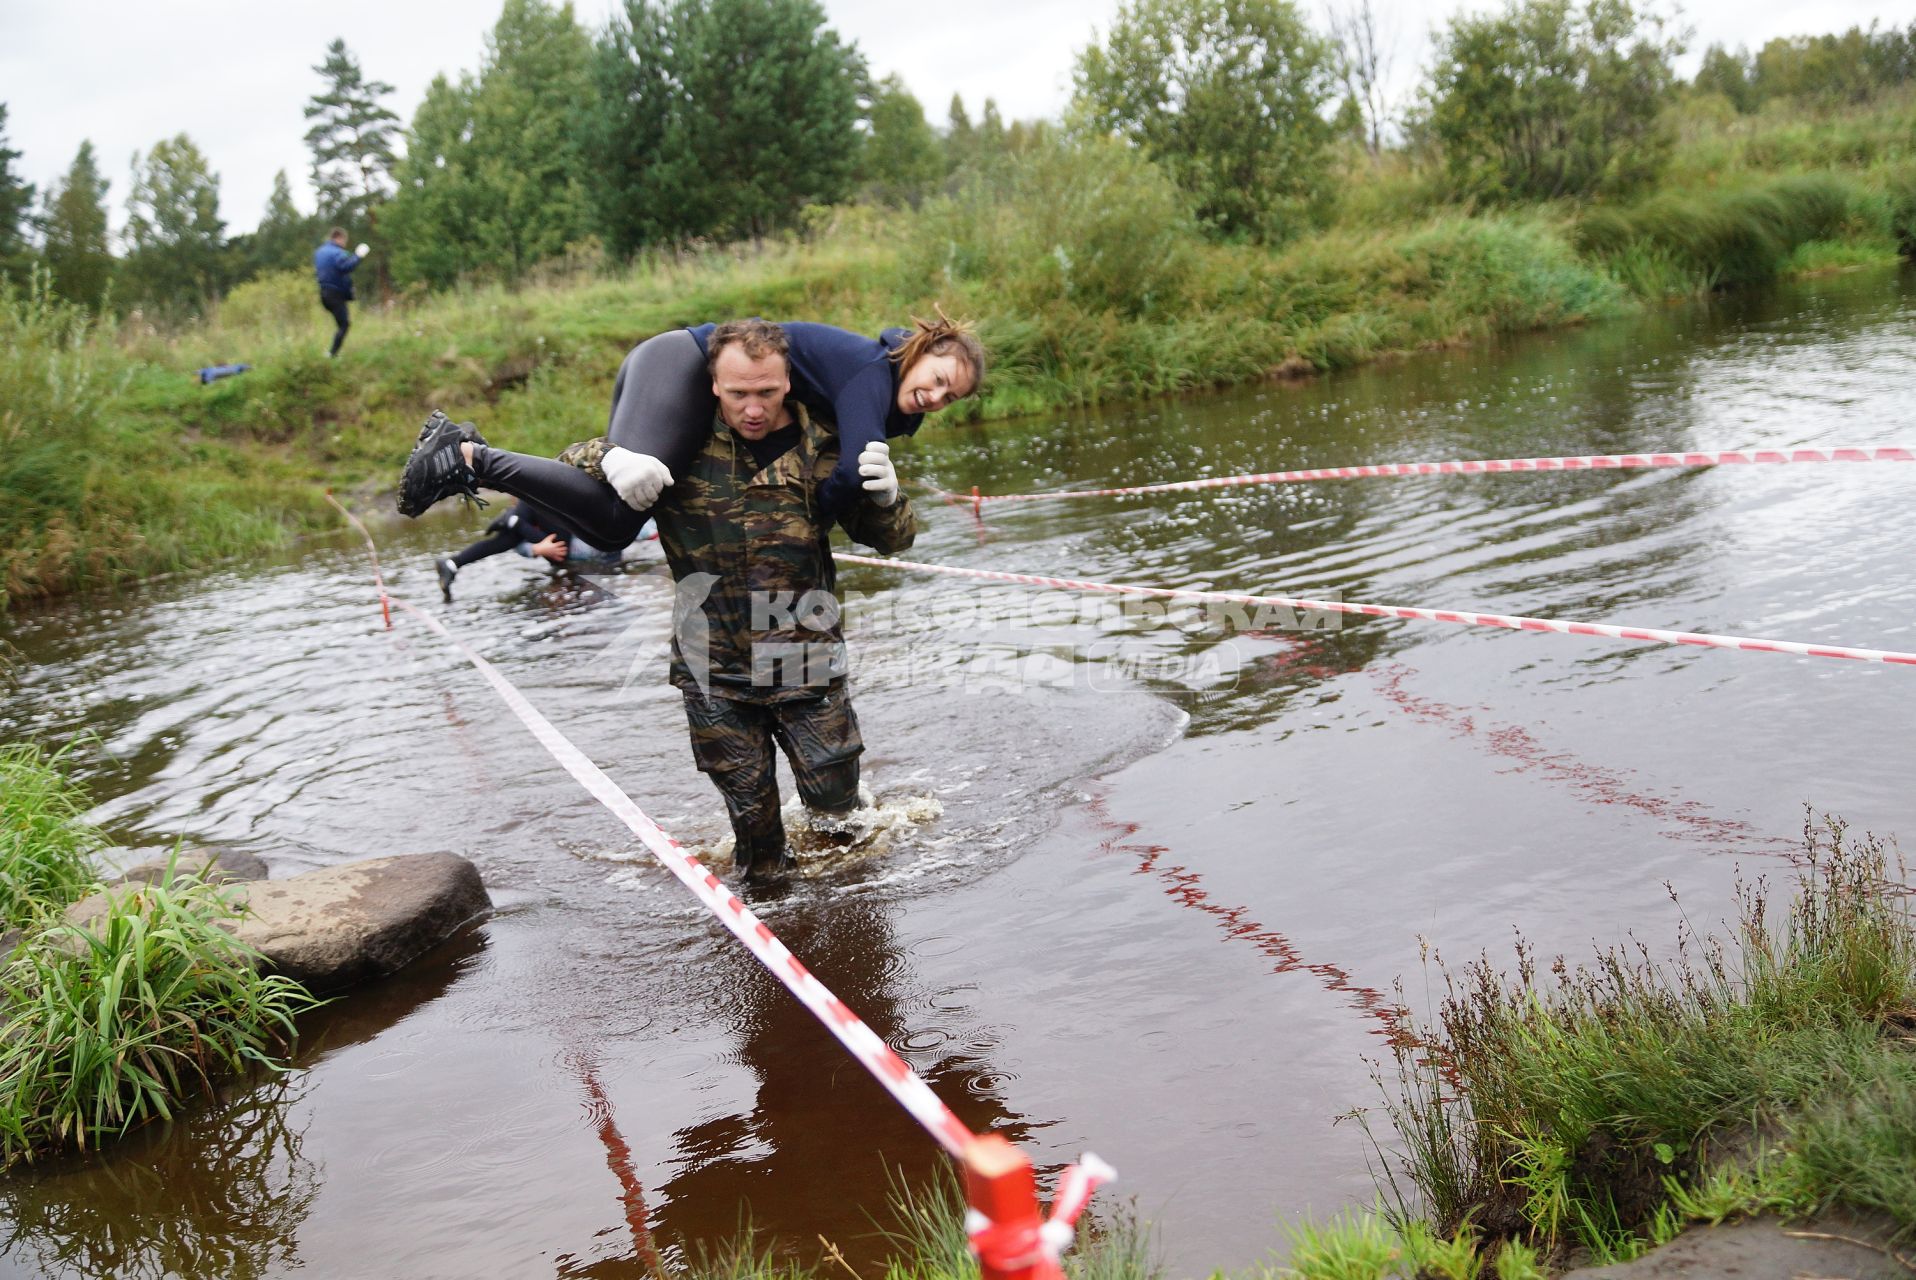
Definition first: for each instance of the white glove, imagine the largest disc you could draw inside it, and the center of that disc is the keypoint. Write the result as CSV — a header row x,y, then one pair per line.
x,y
881,478
363,250
639,477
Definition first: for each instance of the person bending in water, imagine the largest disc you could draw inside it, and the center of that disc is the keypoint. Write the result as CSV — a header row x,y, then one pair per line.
x,y
864,389
519,530
757,647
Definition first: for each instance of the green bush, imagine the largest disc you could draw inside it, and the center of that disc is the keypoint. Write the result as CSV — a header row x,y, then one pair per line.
x,y
1227,95
111,1024
43,841
1547,99
284,302
1900,208
57,377
1092,224
1689,241
1566,1108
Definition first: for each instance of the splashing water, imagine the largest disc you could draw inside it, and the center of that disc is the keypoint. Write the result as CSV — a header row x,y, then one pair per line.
x,y
827,842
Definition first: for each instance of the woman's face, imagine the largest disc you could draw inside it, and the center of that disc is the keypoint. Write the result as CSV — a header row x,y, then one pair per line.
x,y
934,382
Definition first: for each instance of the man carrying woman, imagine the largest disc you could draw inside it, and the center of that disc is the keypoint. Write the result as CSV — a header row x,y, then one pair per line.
x,y
757,649
865,389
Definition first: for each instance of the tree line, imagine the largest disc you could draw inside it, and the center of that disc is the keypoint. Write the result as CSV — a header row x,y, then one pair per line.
x,y
722,120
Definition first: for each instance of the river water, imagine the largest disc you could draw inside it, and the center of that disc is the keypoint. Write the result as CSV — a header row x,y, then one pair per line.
x,y
1148,880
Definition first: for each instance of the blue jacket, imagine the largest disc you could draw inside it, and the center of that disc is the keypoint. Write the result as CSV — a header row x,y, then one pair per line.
x,y
851,381
334,267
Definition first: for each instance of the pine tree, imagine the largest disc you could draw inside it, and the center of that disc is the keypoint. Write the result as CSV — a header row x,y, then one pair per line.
x,y
285,238
352,141
16,205
173,228
961,140
754,106
494,176
79,258
991,128
901,159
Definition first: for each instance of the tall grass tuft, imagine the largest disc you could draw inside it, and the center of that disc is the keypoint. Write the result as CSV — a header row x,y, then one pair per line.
x,y
1696,241
43,841
1560,1108
109,1025
57,378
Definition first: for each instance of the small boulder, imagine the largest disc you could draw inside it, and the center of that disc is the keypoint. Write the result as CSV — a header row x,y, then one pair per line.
x,y
338,926
341,925
217,865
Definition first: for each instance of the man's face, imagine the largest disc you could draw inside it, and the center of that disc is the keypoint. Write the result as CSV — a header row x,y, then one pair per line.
x,y
751,393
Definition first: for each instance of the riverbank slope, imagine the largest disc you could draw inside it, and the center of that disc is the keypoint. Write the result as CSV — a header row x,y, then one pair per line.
x,y
1088,287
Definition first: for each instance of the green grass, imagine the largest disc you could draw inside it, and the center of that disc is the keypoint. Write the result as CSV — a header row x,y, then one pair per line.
x,y
44,845
1585,1109
111,1025
106,1026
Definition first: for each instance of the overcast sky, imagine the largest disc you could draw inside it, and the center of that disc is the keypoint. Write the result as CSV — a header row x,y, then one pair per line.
x,y
234,74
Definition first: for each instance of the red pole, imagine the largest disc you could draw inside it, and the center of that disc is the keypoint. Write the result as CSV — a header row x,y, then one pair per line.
x,y
977,504
385,608
1001,1188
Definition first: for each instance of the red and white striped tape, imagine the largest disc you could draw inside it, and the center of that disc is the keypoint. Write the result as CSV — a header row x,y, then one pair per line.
x,y
990,1241
1492,466
372,550
1464,617
866,1045
1011,1248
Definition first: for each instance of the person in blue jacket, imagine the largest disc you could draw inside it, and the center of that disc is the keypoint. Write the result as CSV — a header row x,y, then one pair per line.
x,y
333,264
662,411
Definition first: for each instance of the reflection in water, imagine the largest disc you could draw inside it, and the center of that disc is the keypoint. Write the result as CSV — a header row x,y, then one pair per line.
x,y
1185,887
363,1014
618,1157
1695,824
818,1121
220,1192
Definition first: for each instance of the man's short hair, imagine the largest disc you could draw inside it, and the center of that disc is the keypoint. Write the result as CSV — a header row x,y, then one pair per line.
x,y
757,338
337,233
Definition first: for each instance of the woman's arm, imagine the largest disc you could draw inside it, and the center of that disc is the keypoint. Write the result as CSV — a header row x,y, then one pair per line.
x,y
860,409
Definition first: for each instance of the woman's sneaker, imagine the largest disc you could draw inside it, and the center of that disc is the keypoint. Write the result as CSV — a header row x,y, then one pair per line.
x,y
437,469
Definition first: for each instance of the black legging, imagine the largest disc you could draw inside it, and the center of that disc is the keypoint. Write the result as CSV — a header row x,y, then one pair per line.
x,y
504,534
335,302
663,392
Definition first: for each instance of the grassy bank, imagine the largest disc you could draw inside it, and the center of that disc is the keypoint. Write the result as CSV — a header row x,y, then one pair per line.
x,y
105,1028
1088,276
1590,1113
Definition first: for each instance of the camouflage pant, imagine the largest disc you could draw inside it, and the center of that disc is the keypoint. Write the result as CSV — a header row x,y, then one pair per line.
x,y
588,456
732,743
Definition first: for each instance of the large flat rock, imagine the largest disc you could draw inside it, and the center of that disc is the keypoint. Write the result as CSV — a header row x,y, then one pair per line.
x,y
1761,1249
338,926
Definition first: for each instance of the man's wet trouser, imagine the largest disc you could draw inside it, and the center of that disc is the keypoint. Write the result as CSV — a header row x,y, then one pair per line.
x,y
732,743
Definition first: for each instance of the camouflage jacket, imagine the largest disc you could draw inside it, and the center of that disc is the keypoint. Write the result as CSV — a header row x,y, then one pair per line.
x,y
749,551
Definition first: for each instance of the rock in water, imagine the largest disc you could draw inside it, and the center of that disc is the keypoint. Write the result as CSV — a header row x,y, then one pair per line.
x,y
336,926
